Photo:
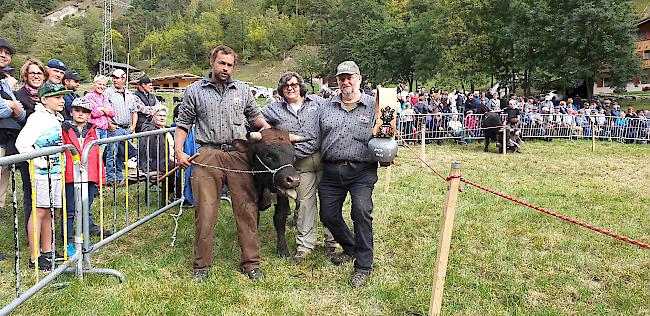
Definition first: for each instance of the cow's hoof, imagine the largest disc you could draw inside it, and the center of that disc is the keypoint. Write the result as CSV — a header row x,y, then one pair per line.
x,y
284,253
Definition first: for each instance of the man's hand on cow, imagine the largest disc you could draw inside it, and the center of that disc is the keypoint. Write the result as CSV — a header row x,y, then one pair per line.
x,y
183,159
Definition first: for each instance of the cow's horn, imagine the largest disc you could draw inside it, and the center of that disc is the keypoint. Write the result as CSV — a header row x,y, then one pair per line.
x,y
297,138
256,136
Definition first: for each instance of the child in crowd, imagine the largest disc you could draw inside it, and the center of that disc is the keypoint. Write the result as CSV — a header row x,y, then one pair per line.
x,y
79,132
43,129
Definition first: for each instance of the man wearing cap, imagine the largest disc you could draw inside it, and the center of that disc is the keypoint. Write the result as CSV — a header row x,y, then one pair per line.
x,y
346,123
125,104
71,80
217,107
55,71
147,102
11,113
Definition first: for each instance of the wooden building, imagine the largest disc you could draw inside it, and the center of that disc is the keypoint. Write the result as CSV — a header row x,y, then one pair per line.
x,y
172,83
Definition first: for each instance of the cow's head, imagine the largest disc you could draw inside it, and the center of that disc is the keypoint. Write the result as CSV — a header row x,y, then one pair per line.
x,y
272,149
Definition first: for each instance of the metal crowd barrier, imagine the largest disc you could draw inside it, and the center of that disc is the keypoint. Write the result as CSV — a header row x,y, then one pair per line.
x,y
141,198
49,153
440,126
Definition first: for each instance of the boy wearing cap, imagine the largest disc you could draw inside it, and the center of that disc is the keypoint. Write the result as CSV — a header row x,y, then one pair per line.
x,y
43,129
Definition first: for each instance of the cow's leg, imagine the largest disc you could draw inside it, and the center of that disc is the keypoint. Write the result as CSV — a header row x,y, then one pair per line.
x,y
280,221
487,143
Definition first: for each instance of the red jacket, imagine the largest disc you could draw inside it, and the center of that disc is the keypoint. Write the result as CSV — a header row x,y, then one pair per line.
x,y
94,160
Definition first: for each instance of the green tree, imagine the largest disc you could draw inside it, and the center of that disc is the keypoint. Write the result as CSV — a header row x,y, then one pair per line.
x,y
310,65
20,29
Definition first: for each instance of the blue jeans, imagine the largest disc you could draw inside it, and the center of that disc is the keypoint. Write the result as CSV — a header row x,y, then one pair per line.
x,y
70,207
359,179
115,156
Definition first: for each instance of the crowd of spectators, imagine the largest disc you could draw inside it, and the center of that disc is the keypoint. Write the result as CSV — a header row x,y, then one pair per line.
x,y
42,109
457,114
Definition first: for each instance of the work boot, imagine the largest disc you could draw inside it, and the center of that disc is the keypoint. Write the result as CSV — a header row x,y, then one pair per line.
x,y
341,258
255,274
359,278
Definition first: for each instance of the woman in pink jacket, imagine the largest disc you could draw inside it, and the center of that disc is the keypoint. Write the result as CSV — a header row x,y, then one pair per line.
x,y
102,110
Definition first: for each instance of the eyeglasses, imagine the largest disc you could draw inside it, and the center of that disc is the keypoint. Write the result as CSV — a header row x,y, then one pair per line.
x,y
294,86
34,74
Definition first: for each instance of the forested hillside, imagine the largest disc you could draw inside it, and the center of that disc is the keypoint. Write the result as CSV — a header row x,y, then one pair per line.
x,y
449,42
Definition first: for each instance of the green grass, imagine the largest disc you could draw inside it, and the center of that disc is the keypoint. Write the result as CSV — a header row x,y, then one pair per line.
x,y
505,259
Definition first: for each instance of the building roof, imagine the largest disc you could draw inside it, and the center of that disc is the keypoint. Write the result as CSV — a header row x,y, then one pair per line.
x,y
175,76
120,65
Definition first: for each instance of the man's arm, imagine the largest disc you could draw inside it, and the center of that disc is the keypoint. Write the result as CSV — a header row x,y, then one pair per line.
x,y
259,123
134,120
182,158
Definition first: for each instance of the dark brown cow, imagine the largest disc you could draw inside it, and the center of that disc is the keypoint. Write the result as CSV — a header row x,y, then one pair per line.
x,y
272,155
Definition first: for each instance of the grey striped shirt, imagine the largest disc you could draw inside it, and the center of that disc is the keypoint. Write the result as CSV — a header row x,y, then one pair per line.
x,y
124,104
304,123
219,116
345,135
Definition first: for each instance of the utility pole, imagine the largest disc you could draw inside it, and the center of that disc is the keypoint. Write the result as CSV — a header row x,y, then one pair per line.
x,y
106,64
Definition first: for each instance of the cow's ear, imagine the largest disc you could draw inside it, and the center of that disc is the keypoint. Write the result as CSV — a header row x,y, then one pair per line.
x,y
241,145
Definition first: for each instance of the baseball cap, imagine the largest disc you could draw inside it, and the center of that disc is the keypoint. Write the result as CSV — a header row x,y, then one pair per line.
x,y
50,89
82,103
347,67
57,64
143,80
71,74
7,69
118,73
5,44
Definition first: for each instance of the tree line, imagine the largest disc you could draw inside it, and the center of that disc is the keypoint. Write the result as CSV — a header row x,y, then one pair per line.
x,y
525,43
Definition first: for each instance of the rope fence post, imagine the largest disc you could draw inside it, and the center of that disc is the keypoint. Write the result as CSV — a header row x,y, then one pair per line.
x,y
593,138
444,241
503,140
389,171
423,133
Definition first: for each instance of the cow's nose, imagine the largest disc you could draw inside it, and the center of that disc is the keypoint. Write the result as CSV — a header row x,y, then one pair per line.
x,y
292,181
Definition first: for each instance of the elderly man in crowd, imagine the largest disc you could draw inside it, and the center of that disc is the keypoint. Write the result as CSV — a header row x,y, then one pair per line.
x,y
298,114
125,104
55,71
217,106
346,124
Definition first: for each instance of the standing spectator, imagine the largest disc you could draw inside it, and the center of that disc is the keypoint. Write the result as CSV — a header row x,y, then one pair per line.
x,y
148,102
406,118
78,132
55,71
43,129
298,114
71,80
11,115
495,103
101,108
346,125
217,106
32,74
125,104
453,101
471,125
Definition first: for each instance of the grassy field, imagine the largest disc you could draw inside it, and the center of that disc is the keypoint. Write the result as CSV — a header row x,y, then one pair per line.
x,y
505,259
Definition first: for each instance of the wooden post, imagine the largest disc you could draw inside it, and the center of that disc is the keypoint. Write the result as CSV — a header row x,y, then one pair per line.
x,y
593,138
444,241
503,140
389,171
423,132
